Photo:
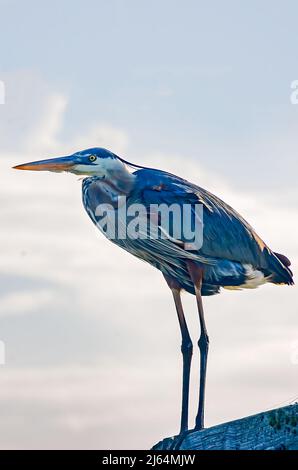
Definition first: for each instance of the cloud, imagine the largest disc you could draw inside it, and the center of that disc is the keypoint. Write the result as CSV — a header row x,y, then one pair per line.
x,y
23,302
44,136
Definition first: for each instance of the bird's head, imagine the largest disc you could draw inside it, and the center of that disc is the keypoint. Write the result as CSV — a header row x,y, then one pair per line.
x,y
91,162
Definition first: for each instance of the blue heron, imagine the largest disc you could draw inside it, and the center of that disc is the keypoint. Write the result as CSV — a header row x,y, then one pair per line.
x,y
231,254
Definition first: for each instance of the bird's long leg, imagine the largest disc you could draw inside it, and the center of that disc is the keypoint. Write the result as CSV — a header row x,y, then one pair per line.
x,y
186,349
196,274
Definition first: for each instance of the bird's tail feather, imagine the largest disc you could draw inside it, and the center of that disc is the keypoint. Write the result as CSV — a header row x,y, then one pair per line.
x,y
279,266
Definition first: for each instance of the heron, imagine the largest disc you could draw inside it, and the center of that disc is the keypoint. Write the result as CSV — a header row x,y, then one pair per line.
x,y
231,255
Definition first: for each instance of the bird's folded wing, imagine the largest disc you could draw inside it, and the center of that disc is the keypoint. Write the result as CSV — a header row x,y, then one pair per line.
x,y
226,235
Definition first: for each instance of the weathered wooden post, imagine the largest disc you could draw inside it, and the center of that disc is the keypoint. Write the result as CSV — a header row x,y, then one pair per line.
x,y
270,430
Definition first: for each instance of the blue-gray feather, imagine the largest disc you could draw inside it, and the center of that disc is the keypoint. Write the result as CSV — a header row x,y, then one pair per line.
x,y
229,242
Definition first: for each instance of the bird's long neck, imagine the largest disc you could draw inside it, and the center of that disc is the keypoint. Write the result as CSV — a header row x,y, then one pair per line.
x,y
120,179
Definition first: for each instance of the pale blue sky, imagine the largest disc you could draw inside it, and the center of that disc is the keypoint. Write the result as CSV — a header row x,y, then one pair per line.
x,y
201,89
169,72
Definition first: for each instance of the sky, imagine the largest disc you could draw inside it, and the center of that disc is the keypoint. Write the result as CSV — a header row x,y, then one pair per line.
x,y
91,336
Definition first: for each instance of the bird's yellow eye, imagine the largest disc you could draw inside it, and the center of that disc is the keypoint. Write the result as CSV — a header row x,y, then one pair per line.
x,y
92,158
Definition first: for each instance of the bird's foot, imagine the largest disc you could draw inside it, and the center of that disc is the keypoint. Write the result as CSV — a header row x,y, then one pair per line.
x,y
179,439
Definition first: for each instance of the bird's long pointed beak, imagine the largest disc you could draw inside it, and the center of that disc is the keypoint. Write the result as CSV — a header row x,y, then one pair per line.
x,y
53,164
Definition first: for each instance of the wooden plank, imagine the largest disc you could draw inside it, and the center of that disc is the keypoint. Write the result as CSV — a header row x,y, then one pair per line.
x,y
270,430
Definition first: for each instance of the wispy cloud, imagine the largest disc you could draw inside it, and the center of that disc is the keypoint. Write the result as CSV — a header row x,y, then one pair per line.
x,y
23,302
